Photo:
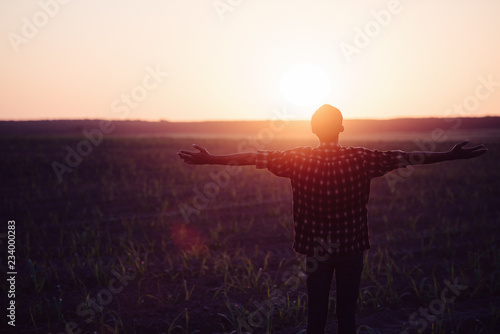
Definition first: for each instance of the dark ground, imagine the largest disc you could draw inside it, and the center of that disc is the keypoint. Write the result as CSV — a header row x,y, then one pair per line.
x,y
114,222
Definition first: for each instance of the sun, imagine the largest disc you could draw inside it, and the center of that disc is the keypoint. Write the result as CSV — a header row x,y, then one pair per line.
x,y
305,84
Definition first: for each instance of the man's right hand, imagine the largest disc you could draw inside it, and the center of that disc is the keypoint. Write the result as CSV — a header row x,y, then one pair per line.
x,y
196,158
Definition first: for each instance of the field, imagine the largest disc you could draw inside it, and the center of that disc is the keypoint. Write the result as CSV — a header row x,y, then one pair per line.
x,y
133,240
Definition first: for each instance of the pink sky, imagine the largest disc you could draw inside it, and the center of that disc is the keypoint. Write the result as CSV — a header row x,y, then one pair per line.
x,y
204,60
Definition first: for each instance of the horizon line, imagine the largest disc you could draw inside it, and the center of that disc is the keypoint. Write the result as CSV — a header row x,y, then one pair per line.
x,y
236,120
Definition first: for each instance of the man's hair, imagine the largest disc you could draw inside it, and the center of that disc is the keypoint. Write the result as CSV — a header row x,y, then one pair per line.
x,y
326,122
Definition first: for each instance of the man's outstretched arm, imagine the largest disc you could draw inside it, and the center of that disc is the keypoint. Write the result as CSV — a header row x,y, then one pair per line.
x,y
203,157
457,152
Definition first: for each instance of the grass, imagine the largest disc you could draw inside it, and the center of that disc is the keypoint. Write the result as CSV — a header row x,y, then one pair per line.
x,y
113,229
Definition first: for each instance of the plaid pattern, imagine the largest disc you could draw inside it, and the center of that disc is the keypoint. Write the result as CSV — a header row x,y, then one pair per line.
x,y
331,186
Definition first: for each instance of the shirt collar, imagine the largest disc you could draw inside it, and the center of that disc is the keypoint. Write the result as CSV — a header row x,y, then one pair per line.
x,y
328,146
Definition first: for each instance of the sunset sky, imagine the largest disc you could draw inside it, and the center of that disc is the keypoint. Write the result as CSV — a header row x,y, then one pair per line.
x,y
194,60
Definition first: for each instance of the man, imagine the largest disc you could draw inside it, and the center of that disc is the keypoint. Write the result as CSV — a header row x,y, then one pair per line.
x,y
331,186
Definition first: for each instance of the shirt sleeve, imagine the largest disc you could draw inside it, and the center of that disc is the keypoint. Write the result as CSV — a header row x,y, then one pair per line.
x,y
378,163
279,163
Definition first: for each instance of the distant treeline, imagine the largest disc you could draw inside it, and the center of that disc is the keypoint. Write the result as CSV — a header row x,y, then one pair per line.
x,y
213,128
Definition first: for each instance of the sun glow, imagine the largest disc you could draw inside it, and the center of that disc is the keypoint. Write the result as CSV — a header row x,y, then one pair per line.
x,y
305,84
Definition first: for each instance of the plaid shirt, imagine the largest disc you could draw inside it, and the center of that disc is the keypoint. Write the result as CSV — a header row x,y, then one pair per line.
x,y
330,186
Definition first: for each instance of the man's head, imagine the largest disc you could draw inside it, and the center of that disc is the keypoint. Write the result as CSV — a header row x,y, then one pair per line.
x,y
326,123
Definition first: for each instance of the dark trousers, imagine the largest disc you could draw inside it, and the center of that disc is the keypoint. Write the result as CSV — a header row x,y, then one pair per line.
x,y
319,279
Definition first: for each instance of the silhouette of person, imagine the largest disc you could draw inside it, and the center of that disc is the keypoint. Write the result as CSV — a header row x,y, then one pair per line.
x,y
330,187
